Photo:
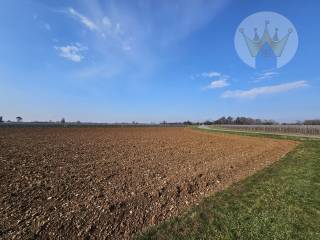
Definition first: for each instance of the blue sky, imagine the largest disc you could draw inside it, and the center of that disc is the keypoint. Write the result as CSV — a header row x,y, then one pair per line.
x,y
148,61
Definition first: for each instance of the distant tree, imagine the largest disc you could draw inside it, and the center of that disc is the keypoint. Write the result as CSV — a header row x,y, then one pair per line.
x,y
259,122
63,121
1,119
19,119
222,120
270,122
229,120
163,122
207,122
238,121
187,123
312,122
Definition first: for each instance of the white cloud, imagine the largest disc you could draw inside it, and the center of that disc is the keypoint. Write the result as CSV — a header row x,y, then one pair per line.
x,y
83,19
220,80
211,74
265,76
218,84
71,52
254,92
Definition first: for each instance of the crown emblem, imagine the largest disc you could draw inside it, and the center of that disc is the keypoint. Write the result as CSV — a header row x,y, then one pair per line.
x,y
254,45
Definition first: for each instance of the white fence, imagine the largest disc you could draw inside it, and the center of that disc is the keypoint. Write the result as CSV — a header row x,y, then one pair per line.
x,y
313,130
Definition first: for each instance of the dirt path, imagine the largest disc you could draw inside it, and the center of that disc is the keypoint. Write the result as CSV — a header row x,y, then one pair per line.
x,y
96,183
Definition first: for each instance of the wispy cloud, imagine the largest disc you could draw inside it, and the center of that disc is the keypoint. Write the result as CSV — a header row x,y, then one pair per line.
x,y
47,26
42,24
126,46
211,74
96,72
106,22
124,33
218,84
105,27
219,80
83,19
198,12
265,75
71,52
254,92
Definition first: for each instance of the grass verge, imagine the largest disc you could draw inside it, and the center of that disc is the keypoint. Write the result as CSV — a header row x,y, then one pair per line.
x,y
280,202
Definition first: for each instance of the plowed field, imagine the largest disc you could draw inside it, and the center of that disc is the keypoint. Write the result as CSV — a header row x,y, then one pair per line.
x,y
97,183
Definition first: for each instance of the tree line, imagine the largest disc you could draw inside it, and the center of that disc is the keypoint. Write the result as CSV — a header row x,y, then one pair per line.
x,y
223,121
312,122
252,121
243,121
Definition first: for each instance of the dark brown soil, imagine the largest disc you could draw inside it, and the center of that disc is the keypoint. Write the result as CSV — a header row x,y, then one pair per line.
x,y
108,183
